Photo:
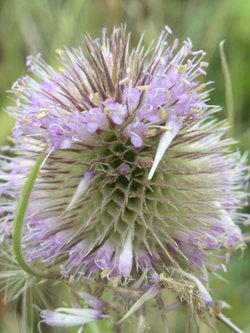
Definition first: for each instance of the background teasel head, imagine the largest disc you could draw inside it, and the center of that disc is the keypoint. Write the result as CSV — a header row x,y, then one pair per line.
x,y
139,189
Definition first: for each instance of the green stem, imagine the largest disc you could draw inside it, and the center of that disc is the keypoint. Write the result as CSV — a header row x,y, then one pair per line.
x,y
20,218
228,90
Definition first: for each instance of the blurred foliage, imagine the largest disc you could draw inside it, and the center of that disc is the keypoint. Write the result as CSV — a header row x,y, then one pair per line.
x,y
41,26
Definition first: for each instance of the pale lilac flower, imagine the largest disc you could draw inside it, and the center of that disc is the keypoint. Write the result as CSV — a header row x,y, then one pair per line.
x,y
136,131
95,119
132,98
116,111
70,317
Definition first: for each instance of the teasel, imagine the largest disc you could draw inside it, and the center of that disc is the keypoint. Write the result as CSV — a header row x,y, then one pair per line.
x,y
138,190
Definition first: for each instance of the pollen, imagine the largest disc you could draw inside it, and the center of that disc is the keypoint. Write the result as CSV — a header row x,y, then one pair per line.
x,y
182,69
169,95
143,88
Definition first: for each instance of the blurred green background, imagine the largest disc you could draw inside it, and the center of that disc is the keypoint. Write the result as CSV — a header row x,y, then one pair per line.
x,y
41,26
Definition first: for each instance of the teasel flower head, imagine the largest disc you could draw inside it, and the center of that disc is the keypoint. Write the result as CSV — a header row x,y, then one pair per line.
x,y
139,188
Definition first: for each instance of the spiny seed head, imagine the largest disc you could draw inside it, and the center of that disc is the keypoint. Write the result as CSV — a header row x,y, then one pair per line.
x,y
138,176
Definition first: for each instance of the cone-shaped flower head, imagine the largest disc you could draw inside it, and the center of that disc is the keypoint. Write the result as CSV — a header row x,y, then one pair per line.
x,y
138,175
